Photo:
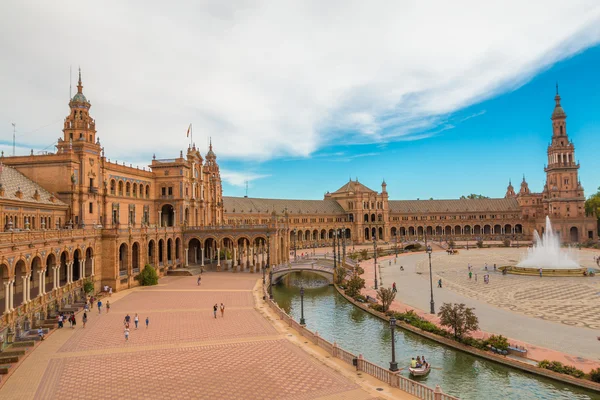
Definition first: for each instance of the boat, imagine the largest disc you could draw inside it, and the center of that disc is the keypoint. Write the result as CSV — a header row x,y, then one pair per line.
x,y
421,371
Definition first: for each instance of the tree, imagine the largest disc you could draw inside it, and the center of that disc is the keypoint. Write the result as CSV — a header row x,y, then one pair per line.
x,y
364,253
340,274
386,296
473,196
459,318
592,207
355,284
88,286
148,276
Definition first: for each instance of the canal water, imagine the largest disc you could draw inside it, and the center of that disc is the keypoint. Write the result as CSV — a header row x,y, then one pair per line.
x,y
359,332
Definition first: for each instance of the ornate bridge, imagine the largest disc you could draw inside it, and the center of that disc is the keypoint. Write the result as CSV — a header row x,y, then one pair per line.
x,y
320,266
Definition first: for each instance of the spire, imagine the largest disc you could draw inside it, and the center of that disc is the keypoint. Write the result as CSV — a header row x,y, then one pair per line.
x,y
79,85
210,144
523,177
558,112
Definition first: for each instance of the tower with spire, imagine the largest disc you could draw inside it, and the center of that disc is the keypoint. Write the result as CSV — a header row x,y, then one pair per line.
x,y
563,195
510,190
79,126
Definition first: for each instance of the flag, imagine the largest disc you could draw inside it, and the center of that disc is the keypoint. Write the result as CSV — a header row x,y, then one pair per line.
x,y
189,130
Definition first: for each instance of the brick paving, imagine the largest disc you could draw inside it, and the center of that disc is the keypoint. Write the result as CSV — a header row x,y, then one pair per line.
x,y
185,353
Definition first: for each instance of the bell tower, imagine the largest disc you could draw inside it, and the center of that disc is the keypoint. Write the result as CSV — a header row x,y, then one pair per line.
x,y
563,194
79,126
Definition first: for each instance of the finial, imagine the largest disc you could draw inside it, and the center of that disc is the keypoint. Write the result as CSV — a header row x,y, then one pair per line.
x,y
509,182
79,85
154,156
523,177
210,143
557,88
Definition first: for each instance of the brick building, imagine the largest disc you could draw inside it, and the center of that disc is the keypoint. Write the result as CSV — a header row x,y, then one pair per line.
x,y
75,215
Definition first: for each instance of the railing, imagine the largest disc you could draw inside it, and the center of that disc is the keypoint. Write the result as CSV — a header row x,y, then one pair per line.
x,y
92,189
226,227
136,270
394,379
123,272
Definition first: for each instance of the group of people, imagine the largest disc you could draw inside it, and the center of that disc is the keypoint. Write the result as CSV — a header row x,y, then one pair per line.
x,y
136,321
420,362
486,277
216,308
62,317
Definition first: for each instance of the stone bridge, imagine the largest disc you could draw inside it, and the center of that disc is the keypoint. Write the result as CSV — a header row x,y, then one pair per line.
x,y
320,266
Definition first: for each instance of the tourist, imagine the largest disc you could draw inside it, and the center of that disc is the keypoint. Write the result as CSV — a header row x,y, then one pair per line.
x,y
418,362
215,307
423,361
70,319
126,319
136,320
99,306
222,310
60,320
109,291
401,268
540,270
413,363
471,275
390,262
469,266
126,333
440,283
41,333
147,322
107,306
199,279
84,319
86,307
394,290
485,267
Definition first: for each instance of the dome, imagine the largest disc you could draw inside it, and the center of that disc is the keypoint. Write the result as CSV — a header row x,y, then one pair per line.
x,y
558,112
80,98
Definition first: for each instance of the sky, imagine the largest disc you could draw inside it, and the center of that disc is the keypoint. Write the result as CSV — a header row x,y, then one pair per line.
x,y
440,99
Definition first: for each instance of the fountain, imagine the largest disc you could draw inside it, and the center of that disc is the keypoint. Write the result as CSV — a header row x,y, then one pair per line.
x,y
547,254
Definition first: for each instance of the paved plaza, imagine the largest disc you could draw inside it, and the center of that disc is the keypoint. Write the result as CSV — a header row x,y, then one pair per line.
x,y
553,313
185,352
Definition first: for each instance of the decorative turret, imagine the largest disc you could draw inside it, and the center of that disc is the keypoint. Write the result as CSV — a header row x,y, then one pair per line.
x,y
524,187
383,187
79,126
510,191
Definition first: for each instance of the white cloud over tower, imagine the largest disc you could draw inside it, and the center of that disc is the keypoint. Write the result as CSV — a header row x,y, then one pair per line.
x,y
270,79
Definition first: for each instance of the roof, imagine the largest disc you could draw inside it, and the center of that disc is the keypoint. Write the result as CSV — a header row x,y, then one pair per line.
x,y
354,187
243,205
12,180
79,97
453,206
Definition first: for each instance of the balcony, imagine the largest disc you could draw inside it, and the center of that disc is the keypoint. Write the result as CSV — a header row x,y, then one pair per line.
x,y
93,189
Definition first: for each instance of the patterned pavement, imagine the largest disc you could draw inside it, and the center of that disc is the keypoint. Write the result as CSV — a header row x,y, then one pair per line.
x,y
185,352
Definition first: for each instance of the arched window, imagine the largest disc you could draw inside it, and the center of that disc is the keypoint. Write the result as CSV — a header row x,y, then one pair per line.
x,y
120,188
148,191
112,186
128,189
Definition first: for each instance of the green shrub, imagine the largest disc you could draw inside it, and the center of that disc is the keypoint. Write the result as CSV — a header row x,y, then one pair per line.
x,y
506,242
477,343
559,367
364,254
499,342
360,297
360,270
451,244
376,307
148,276
479,243
88,286
355,284
595,375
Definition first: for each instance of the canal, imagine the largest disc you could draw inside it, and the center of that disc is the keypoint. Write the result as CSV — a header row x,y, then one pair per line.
x,y
359,332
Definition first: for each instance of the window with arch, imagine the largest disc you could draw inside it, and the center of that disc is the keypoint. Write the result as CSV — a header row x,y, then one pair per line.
x,y
147,191
113,185
135,187
128,189
120,188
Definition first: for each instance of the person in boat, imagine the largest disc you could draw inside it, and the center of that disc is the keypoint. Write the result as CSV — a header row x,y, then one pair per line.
x,y
423,361
419,362
413,363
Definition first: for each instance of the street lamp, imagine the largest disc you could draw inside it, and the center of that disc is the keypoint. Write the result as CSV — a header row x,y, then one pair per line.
x,y
339,248
295,237
270,269
375,255
431,303
344,244
393,364
334,255
302,321
396,244
263,259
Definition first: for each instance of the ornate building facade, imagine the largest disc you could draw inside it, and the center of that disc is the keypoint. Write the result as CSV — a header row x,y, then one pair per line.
x,y
75,215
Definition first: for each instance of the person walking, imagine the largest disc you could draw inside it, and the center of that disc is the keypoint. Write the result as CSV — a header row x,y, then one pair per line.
x,y
99,306
470,275
440,283
215,307
136,319
222,310
73,320
60,321
126,333
84,319
107,306
147,322
540,270
394,290
199,280
70,321
126,320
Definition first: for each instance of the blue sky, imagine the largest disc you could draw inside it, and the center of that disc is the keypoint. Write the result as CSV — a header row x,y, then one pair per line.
x,y
482,147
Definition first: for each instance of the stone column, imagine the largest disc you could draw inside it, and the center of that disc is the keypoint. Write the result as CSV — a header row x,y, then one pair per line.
x,y
160,218
42,283
55,280
11,296
6,297
218,258
202,254
186,264
251,258
25,289
235,257
81,269
92,258
174,217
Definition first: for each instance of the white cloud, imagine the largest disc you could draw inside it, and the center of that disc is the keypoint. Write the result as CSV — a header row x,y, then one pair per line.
x,y
236,178
273,78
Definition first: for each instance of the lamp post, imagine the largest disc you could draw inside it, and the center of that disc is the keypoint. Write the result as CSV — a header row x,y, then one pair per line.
x,y
302,321
334,256
344,244
263,259
295,238
375,255
339,248
393,363
431,303
396,244
268,266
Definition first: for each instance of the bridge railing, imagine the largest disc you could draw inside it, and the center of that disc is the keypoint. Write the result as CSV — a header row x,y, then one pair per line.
x,y
394,379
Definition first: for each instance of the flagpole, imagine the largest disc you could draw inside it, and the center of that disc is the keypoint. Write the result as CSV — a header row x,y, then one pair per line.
x,y
191,134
